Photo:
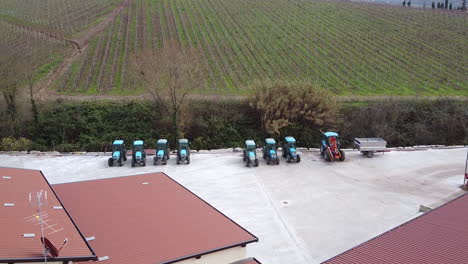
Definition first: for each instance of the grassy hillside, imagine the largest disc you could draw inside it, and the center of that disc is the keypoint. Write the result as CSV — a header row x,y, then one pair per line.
x,y
350,48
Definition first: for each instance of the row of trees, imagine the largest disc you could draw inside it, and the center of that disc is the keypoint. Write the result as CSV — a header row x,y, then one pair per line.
x,y
442,5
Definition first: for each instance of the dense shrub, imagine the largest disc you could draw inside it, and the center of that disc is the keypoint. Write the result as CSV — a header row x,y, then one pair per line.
x,y
13,144
92,126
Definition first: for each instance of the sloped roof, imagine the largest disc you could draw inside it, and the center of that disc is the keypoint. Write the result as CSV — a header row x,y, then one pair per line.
x,y
148,218
20,217
248,261
440,236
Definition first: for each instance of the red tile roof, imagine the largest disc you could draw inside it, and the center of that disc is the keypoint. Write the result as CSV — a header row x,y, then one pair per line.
x,y
440,236
15,186
148,218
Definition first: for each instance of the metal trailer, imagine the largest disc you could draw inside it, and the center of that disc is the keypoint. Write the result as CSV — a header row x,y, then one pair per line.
x,y
368,146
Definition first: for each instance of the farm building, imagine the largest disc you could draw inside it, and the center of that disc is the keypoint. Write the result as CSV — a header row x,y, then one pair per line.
x,y
146,218
439,236
20,222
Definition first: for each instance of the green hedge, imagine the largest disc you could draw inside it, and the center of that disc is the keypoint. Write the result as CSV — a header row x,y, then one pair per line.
x,y
92,126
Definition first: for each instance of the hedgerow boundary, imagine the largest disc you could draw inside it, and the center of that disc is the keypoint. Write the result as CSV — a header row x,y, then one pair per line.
x,y
91,126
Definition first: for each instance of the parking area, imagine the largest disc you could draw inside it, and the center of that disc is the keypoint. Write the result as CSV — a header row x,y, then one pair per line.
x,y
302,213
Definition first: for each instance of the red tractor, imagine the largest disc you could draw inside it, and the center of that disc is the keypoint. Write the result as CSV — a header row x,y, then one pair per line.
x,y
330,147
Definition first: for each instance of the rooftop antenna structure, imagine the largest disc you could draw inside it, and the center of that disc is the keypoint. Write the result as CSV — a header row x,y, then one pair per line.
x,y
38,200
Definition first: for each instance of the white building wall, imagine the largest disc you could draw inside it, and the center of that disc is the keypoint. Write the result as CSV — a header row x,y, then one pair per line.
x,y
220,257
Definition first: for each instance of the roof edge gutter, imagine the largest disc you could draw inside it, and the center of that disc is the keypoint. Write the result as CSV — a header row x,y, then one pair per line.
x,y
41,259
200,254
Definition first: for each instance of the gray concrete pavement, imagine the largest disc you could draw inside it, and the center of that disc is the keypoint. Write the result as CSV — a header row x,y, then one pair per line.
x,y
302,213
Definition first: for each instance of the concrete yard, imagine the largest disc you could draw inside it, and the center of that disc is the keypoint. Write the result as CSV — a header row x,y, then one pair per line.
x,y
302,213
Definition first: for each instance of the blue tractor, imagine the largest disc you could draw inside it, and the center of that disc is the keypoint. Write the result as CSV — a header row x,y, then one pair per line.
x,y
139,154
250,153
119,154
270,151
290,151
183,151
162,152
330,147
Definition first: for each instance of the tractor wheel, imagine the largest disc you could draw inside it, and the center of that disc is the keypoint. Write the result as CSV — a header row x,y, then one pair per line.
x,y
167,155
133,163
178,160
164,161
256,162
327,155
144,163
188,159
321,150
244,156
247,163
110,162
277,161
298,159
342,155
121,162
370,154
268,159
288,159
155,160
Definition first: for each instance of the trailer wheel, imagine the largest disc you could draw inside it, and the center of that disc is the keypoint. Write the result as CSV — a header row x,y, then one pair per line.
x,y
342,155
370,154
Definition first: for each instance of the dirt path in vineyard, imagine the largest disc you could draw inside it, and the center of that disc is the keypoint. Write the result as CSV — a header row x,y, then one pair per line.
x,y
80,44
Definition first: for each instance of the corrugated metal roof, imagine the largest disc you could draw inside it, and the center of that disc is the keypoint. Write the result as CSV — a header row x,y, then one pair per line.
x,y
440,236
156,222
20,219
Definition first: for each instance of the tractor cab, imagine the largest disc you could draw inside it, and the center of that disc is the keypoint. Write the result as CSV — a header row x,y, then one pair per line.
x,y
290,142
250,145
331,139
118,146
270,152
250,154
138,146
183,151
330,147
162,152
139,154
270,143
290,151
119,153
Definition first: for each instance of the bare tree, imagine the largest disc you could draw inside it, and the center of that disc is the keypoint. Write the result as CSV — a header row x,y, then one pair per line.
x,y
9,85
169,75
281,104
